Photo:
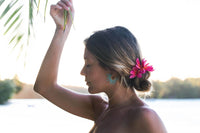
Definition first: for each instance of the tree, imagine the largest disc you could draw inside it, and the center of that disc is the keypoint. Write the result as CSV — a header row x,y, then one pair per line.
x,y
176,88
8,88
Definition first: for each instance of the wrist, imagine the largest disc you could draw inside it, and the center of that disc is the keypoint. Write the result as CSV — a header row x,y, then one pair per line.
x,y
61,29
61,34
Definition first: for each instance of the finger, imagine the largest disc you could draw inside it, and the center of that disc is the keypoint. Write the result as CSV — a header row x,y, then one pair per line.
x,y
56,6
68,3
63,5
65,1
71,1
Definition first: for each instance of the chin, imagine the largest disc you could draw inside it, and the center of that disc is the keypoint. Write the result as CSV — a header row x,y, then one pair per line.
x,y
91,90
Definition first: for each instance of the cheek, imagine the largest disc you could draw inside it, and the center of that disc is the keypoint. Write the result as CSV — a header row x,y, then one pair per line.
x,y
100,81
95,75
95,79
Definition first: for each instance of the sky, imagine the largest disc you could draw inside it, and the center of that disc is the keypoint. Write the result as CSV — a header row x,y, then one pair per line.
x,y
168,32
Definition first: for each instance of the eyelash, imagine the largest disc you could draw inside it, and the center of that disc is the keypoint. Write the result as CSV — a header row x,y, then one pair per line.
x,y
88,65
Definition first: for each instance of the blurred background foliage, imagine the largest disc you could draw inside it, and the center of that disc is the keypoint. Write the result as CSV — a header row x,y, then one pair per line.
x,y
174,88
177,88
9,87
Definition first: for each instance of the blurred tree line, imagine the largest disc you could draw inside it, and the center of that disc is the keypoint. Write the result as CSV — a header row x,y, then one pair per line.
x,y
177,88
8,87
173,88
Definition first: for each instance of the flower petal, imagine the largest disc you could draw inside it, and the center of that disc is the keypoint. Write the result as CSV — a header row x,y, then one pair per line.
x,y
139,75
132,76
138,65
149,68
143,62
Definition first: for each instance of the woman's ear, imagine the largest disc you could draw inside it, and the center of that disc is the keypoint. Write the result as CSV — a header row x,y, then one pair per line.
x,y
112,77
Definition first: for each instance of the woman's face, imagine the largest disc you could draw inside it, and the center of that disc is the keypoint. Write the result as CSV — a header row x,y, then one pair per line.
x,y
95,75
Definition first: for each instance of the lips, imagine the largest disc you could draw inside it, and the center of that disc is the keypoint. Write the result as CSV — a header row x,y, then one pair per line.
x,y
88,83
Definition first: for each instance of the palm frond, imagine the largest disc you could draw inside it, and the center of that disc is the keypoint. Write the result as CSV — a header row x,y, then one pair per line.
x,y
30,12
16,35
12,39
38,6
18,38
65,19
18,25
45,9
31,17
13,14
1,2
35,2
9,6
11,25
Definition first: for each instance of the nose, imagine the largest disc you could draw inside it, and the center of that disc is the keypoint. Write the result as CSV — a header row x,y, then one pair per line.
x,y
83,71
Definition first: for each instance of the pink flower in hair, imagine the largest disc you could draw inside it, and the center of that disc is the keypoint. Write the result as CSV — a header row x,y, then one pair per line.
x,y
140,68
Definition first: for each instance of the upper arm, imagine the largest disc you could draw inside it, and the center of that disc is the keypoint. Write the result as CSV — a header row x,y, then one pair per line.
x,y
149,122
83,105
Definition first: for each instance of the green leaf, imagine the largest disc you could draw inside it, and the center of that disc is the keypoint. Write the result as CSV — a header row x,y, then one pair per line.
x,y
38,6
16,28
9,6
35,2
65,19
66,13
13,38
18,38
30,12
45,10
17,18
1,2
14,13
71,18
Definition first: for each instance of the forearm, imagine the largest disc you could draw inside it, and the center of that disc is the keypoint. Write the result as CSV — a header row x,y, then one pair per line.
x,y
47,75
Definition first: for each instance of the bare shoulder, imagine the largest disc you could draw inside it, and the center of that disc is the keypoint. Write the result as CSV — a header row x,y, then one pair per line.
x,y
146,120
99,105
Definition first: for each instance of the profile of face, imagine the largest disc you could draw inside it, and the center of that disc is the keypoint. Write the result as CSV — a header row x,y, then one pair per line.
x,y
95,75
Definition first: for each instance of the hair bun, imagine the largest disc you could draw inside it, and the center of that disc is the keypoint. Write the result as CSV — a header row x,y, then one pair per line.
x,y
145,85
142,84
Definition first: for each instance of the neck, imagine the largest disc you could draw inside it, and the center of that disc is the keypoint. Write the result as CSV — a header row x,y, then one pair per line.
x,y
121,96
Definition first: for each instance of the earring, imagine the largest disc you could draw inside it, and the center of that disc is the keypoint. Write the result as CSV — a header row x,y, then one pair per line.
x,y
111,81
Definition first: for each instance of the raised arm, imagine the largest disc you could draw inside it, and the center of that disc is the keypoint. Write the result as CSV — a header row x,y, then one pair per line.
x,y
46,82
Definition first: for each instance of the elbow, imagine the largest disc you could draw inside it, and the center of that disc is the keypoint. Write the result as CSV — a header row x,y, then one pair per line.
x,y
37,87
42,87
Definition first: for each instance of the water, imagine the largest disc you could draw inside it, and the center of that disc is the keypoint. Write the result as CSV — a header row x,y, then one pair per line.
x,y
39,115
179,116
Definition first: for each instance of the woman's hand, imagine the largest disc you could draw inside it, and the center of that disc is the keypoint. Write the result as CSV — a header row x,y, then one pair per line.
x,y
57,13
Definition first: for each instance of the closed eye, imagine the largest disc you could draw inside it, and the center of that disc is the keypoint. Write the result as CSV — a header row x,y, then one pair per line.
x,y
88,65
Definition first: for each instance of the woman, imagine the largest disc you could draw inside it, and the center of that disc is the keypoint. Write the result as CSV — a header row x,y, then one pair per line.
x,y
113,65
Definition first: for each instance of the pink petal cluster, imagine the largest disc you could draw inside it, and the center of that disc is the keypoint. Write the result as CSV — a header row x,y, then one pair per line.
x,y
140,69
